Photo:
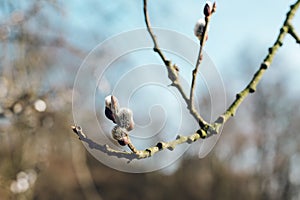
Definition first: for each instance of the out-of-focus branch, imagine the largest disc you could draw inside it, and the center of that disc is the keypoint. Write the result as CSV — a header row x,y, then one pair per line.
x,y
59,42
83,173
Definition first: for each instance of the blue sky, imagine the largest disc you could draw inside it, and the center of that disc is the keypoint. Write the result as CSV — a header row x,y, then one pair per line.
x,y
239,30
235,25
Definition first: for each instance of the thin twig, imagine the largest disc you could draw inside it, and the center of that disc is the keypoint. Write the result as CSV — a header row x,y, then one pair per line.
x,y
251,87
195,71
293,33
156,47
199,59
172,71
83,173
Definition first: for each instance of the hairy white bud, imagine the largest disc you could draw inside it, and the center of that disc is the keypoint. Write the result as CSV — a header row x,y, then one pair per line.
x,y
125,119
199,28
120,134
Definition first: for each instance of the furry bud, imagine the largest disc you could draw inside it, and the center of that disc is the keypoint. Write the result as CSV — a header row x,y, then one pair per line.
x,y
208,8
199,29
125,119
120,134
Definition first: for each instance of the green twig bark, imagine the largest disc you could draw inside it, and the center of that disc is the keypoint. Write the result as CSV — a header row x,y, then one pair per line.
x,y
251,87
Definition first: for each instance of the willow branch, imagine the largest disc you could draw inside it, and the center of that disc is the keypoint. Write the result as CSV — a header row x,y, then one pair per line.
x,y
195,71
251,87
139,154
206,131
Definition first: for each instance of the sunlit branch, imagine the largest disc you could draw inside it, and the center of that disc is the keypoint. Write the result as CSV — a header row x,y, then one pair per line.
x,y
251,87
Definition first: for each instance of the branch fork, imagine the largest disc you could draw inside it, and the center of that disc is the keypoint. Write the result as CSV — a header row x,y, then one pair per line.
x,y
123,117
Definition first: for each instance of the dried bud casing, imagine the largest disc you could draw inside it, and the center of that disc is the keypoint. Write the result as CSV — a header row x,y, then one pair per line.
x,y
108,101
125,119
111,107
109,114
120,134
114,105
208,8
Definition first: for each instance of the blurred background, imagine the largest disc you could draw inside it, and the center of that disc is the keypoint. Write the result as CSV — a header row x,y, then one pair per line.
x,y
44,42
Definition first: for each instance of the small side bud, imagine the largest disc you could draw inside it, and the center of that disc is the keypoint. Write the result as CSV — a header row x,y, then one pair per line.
x,y
125,119
120,134
208,8
199,28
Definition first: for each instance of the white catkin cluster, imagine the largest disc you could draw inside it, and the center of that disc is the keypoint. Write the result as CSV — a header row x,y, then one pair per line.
x,y
123,117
